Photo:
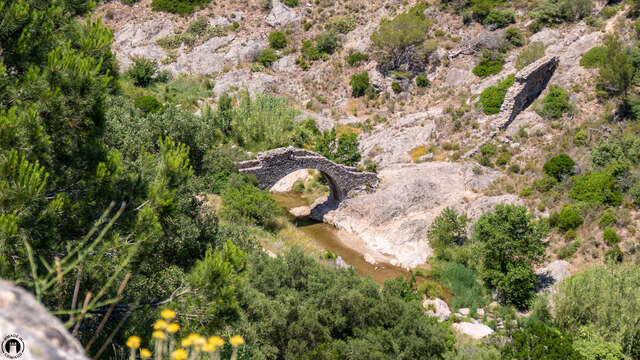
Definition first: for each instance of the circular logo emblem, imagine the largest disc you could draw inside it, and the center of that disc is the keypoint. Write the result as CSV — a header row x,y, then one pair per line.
x,y
12,346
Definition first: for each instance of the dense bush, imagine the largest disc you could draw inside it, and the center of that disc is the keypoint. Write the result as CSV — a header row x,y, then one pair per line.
x,y
552,12
514,36
267,57
559,166
278,40
396,87
147,103
530,54
492,97
545,184
355,58
556,103
593,347
360,84
328,42
569,218
594,57
343,24
291,3
242,202
536,340
422,81
617,150
616,70
608,218
181,7
634,193
510,242
590,299
500,18
598,188
342,149
490,63
610,236
142,71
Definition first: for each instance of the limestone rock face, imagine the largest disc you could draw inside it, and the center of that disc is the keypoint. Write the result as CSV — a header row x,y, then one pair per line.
x,y
286,64
281,15
44,336
475,331
239,79
526,120
553,273
441,311
394,219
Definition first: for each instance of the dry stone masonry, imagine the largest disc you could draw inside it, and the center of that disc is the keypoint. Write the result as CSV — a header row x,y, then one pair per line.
x,y
344,181
529,83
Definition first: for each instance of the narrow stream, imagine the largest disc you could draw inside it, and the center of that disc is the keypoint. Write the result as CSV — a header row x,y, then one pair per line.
x,y
326,237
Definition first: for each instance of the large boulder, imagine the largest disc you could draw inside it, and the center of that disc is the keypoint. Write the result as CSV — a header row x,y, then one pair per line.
x,y
475,331
437,308
281,15
553,273
43,335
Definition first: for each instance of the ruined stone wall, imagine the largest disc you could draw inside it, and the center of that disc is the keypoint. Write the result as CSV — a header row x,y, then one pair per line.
x,y
529,83
273,165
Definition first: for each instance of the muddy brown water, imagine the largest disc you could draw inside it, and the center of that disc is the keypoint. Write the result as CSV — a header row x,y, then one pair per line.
x,y
326,237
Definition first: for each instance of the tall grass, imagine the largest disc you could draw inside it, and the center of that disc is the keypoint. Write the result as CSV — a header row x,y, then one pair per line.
x,y
462,281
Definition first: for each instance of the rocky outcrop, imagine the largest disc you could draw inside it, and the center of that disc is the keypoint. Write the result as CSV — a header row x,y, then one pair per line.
x,y
43,335
281,15
551,274
437,308
529,83
393,220
273,165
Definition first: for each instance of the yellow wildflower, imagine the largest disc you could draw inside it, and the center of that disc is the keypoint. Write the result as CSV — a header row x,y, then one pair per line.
x,y
187,342
158,335
199,341
180,354
208,347
236,340
133,342
168,314
145,353
216,341
172,328
160,325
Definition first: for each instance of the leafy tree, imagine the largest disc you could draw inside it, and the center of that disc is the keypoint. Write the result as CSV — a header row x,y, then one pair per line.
x,y
559,166
342,149
538,341
509,242
448,229
394,38
615,72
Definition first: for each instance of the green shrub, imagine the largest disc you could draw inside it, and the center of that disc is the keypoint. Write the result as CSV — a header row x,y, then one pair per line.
x,y
594,57
597,188
556,103
310,51
266,4
291,3
327,42
552,12
559,166
278,40
614,255
608,218
537,340
514,36
246,203
608,12
593,347
342,149
422,81
488,68
431,289
147,103
545,184
615,73
610,236
360,84
569,218
356,58
492,97
267,57
517,286
448,229
500,18
142,71
198,26
181,7
343,24
567,251
396,87
530,54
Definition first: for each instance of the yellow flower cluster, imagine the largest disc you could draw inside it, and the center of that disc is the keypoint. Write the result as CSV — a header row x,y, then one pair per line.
x,y
191,346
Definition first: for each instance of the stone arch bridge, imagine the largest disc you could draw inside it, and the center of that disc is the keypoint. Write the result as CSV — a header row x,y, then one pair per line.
x,y
344,181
